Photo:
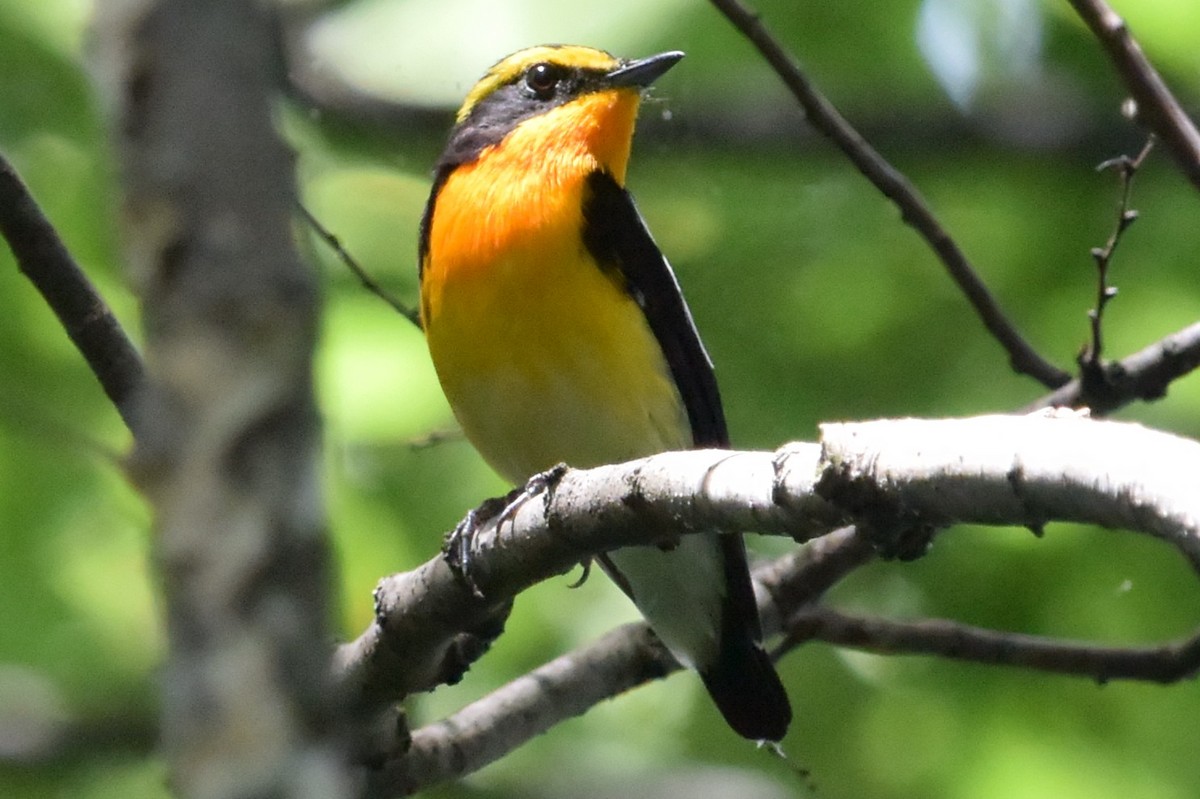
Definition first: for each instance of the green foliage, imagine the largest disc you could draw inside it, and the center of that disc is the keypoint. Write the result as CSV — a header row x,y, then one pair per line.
x,y
816,304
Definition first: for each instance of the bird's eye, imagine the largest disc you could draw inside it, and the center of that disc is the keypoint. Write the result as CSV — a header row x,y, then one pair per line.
x,y
542,78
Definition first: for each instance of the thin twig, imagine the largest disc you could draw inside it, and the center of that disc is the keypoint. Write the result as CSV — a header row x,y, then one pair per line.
x,y
1157,108
1165,663
1091,359
86,318
913,209
369,283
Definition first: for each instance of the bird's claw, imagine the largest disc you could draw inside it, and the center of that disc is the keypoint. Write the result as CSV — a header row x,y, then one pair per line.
x,y
586,566
460,545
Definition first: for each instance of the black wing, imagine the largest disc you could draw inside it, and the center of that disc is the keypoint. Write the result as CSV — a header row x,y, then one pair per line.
x,y
742,680
616,236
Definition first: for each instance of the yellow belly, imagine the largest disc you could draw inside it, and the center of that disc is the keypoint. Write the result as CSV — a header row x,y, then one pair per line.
x,y
552,363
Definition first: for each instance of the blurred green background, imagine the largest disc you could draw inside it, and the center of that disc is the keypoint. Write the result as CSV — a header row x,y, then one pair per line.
x,y
816,304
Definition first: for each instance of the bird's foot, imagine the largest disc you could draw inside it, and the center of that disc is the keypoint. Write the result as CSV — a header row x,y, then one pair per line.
x,y
461,544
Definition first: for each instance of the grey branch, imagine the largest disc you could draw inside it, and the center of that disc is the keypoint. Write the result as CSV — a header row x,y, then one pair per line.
x,y
791,588
1017,470
890,476
422,614
499,723
568,686
1166,663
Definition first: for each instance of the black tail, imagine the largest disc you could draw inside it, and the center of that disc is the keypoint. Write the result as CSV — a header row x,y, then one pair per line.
x,y
742,681
747,691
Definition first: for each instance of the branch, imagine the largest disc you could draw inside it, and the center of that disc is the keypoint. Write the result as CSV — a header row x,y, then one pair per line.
x,y
803,576
1145,375
1157,108
568,686
1014,470
490,728
1166,663
892,477
43,258
422,614
913,209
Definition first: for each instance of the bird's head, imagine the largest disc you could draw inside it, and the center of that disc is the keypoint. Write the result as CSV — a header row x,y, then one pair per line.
x,y
562,100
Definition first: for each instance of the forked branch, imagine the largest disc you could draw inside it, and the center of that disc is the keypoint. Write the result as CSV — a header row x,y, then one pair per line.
x,y
895,477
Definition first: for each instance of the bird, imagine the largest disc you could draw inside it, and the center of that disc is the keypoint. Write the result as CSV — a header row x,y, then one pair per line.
x,y
559,334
